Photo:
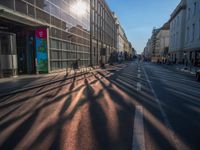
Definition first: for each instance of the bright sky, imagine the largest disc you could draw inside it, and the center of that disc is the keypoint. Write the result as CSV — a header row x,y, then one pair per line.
x,y
138,17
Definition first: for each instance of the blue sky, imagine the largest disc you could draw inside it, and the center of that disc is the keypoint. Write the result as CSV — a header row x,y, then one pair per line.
x,y
138,17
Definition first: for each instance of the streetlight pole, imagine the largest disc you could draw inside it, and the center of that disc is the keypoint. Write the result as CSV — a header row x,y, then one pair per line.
x,y
91,33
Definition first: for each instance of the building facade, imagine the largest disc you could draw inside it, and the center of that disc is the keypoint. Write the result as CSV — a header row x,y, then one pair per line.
x,y
42,36
124,47
192,33
103,32
162,43
157,46
121,40
48,34
185,33
154,44
147,53
177,32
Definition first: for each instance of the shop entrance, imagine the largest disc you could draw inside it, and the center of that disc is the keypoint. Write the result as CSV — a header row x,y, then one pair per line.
x,y
26,52
25,45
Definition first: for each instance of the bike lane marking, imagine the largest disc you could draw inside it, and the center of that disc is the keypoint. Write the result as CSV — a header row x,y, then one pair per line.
x,y
138,130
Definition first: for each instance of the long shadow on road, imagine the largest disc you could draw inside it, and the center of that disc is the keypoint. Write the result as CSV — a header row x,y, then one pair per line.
x,y
71,105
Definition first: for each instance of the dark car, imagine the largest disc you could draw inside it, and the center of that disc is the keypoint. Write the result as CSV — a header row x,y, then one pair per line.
x,y
198,75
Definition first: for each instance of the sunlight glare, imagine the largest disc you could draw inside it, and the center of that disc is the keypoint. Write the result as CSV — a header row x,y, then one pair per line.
x,y
79,8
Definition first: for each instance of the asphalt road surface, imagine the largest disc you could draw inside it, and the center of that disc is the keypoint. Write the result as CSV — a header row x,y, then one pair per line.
x,y
134,106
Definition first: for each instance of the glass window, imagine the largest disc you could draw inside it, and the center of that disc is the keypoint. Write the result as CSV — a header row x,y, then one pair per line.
x,y
21,6
7,3
195,8
31,11
178,21
188,34
93,3
199,29
55,65
55,44
41,15
56,2
5,45
55,21
40,3
193,32
188,13
30,1
55,11
64,55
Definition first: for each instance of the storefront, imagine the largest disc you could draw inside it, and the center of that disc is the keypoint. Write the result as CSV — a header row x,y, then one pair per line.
x,y
50,35
23,49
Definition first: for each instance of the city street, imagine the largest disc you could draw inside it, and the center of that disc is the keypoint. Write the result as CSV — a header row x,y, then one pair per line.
x,y
130,106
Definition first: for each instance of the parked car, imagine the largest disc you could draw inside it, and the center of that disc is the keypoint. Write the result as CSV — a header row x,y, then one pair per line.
x,y
198,75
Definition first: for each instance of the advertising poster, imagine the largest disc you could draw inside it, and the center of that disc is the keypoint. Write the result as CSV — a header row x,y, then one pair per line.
x,y
41,50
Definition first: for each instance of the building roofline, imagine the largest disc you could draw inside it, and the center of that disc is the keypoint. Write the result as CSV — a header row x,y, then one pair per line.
x,y
179,7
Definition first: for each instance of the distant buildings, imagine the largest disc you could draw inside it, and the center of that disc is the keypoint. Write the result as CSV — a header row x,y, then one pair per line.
x,y
184,36
148,52
124,47
157,46
162,43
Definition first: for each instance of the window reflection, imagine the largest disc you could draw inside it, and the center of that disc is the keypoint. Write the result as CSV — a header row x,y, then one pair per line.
x,y
69,33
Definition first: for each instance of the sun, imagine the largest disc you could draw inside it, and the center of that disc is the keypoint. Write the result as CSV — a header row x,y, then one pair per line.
x,y
79,8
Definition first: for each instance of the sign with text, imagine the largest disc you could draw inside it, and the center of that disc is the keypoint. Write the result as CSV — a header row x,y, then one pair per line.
x,y
41,50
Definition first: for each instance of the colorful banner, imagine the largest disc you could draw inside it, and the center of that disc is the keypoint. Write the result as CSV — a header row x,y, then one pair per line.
x,y
41,50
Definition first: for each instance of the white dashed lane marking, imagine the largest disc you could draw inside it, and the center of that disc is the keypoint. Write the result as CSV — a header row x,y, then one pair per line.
x,y
138,130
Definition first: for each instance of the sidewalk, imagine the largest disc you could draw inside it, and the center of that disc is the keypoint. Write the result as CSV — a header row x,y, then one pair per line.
x,y
188,69
15,85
